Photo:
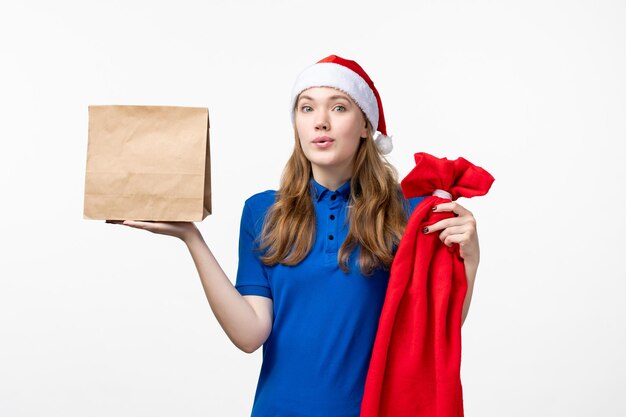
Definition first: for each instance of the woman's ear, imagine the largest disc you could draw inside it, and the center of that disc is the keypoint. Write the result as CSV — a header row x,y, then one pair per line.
x,y
365,128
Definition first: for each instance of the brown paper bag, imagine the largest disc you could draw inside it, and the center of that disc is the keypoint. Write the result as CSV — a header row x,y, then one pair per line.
x,y
148,163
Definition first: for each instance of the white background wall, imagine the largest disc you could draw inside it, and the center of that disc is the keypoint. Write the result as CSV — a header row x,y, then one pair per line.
x,y
102,320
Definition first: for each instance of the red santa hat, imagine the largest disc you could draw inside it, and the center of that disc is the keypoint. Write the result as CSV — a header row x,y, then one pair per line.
x,y
349,77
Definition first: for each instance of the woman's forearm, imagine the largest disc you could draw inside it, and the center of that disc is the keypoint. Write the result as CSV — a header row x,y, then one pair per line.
x,y
233,312
470,273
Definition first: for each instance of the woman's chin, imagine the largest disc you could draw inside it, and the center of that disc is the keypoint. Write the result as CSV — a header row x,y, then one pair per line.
x,y
326,161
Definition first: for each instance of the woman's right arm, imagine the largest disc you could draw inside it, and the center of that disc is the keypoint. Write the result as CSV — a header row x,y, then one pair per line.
x,y
247,320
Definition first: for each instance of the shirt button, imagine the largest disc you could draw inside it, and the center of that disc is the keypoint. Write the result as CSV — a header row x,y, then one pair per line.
x,y
330,237
333,197
332,217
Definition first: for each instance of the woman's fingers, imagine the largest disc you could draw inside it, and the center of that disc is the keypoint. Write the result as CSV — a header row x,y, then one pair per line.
x,y
463,216
180,230
460,238
125,222
442,224
460,229
452,206
137,223
163,228
453,232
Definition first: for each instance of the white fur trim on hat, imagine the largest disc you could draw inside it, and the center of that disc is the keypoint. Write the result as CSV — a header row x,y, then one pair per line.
x,y
383,143
329,74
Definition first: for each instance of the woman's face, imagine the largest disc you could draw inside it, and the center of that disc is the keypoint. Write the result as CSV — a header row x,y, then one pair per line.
x,y
327,112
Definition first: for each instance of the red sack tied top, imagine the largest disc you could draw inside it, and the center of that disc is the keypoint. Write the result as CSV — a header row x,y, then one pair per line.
x,y
414,369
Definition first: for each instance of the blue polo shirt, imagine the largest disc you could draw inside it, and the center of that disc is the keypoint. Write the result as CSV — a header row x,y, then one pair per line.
x,y
316,357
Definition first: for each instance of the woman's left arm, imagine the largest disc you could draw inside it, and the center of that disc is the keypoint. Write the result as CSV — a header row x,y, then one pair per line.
x,y
460,229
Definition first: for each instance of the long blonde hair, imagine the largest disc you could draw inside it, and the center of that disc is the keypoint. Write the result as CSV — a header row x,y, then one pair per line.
x,y
377,213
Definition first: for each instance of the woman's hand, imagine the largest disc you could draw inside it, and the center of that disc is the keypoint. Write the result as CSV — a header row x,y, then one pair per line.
x,y
181,230
460,229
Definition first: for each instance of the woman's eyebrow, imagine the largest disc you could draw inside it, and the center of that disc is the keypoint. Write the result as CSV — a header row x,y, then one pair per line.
x,y
330,98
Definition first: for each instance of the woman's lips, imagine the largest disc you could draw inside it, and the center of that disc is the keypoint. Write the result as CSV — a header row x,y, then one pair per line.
x,y
323,142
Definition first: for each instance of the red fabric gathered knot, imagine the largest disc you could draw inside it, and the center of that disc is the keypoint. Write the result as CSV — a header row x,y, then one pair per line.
x,y
414,369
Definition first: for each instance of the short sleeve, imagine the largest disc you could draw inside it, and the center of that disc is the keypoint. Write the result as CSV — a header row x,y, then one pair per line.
x,y
251,273
410,204
413,202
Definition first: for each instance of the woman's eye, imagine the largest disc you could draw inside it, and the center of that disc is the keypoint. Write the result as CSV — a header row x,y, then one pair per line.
x,y
344,109
304,108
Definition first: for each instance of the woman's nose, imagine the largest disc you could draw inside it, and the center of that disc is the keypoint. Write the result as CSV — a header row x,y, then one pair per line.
x,y
321,123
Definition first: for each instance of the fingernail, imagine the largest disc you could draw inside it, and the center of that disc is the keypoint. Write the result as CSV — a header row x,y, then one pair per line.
x,y
434,208
425,230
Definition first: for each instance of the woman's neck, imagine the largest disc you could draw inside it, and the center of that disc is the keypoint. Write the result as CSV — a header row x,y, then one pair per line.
x,y
329,178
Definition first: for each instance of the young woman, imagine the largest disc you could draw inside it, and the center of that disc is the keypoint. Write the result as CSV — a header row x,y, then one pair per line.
x,y
314,256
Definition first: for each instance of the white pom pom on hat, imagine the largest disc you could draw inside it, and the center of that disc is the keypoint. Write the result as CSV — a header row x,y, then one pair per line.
x,y
348,76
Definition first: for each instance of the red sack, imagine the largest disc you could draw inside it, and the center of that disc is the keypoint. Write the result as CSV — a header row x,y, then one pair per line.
x,y
415,366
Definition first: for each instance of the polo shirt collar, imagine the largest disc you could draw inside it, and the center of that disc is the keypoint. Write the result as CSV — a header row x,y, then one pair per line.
x,y
319,190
